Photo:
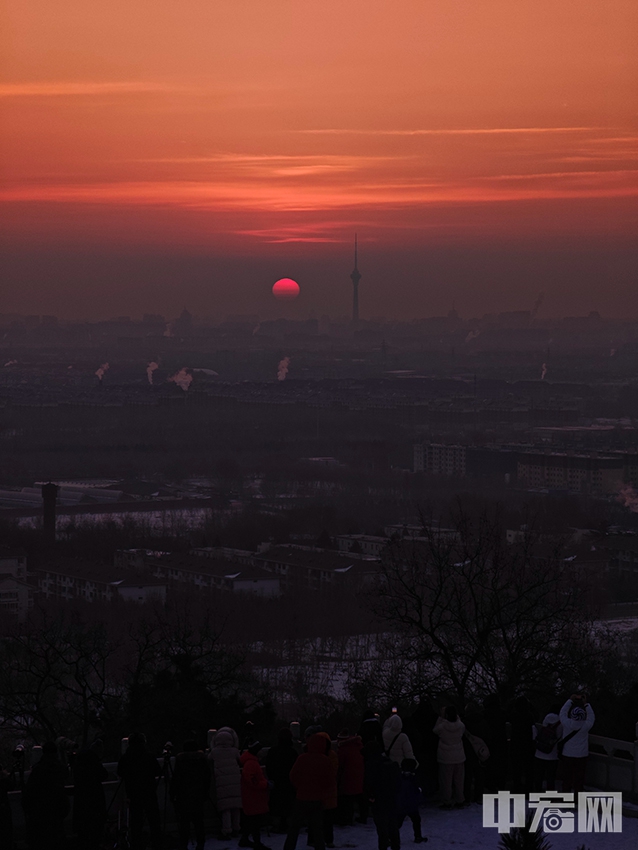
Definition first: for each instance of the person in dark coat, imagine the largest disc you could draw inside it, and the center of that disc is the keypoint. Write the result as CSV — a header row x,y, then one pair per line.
x,y
522,717
7,784
254,797
312,777
189,791
140,772
409,798
351,775
45,801
371,734
279,763
370,728
382,786
474,782
89,803
418,727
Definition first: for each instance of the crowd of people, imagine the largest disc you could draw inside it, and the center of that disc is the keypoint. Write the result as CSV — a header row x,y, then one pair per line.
x,y
382,771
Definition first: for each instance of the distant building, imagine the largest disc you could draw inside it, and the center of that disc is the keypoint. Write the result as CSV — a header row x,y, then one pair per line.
x,y
515,320
578,473
438,459
315,568
492,462
183,326
363,545
623,552
16,594
422,533
94,583
210,573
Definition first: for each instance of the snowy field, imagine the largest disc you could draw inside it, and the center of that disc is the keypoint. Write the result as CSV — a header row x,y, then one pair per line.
x,y
454,829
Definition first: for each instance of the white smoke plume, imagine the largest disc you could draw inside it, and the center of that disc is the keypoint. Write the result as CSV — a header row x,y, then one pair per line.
x,y
168,330
256,328
104,368
629,498
183,379
210,372
612,352
543,371
472,335
11,363
152,366
282,369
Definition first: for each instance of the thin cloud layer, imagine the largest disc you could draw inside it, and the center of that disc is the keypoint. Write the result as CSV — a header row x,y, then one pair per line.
x,y
239,127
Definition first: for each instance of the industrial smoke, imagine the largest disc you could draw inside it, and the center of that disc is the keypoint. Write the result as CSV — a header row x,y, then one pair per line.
x,y
282,369
629,498
183,379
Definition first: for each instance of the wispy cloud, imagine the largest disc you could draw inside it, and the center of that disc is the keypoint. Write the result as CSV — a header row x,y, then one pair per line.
x,y
282,165
264,196
603,149
69,89
258,158
331,232
478,131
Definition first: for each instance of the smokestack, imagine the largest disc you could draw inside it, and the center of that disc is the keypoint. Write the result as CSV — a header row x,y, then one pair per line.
x,y
49,498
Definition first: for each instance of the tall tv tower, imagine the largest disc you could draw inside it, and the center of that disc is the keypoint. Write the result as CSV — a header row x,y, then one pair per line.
x,y
355,277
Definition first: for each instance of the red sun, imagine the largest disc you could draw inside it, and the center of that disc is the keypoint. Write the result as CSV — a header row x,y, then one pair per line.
x,y
285,289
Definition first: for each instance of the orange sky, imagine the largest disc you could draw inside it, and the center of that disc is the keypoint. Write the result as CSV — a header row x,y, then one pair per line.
x,y
253,128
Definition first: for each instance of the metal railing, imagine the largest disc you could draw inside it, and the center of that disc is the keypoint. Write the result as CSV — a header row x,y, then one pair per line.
x,y
613,765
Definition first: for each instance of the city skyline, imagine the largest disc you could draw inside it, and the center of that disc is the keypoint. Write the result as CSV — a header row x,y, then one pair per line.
x,y
477,151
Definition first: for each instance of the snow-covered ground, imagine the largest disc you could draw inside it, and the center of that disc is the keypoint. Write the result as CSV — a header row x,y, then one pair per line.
x,y
462,828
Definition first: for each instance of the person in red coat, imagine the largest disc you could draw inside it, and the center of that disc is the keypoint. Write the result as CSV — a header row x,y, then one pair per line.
x,y
330,800
313,778
254,797
351,775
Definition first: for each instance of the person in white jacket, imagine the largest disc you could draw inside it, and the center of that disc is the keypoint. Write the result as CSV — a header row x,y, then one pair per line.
x,y
396,743
546,736
576,717
451,757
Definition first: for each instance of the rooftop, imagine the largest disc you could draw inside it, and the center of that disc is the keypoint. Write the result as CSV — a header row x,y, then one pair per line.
x,y
315,559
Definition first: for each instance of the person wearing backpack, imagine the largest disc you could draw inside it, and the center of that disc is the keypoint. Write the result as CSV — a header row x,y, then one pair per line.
x,y
577,718
396,743
381,782
546,736
409,799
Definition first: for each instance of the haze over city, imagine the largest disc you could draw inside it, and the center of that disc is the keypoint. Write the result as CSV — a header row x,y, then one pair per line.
x,y
318,424
479,150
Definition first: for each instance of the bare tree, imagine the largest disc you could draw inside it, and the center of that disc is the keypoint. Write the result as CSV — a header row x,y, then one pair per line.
x,y
54,676
179,661
470,614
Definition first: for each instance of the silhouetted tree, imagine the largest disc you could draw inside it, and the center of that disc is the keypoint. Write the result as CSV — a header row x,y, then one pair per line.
x,y
54,675
471,614
180,672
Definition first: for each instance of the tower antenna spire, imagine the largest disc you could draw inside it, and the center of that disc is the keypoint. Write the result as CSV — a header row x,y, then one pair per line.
x,y
355,277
